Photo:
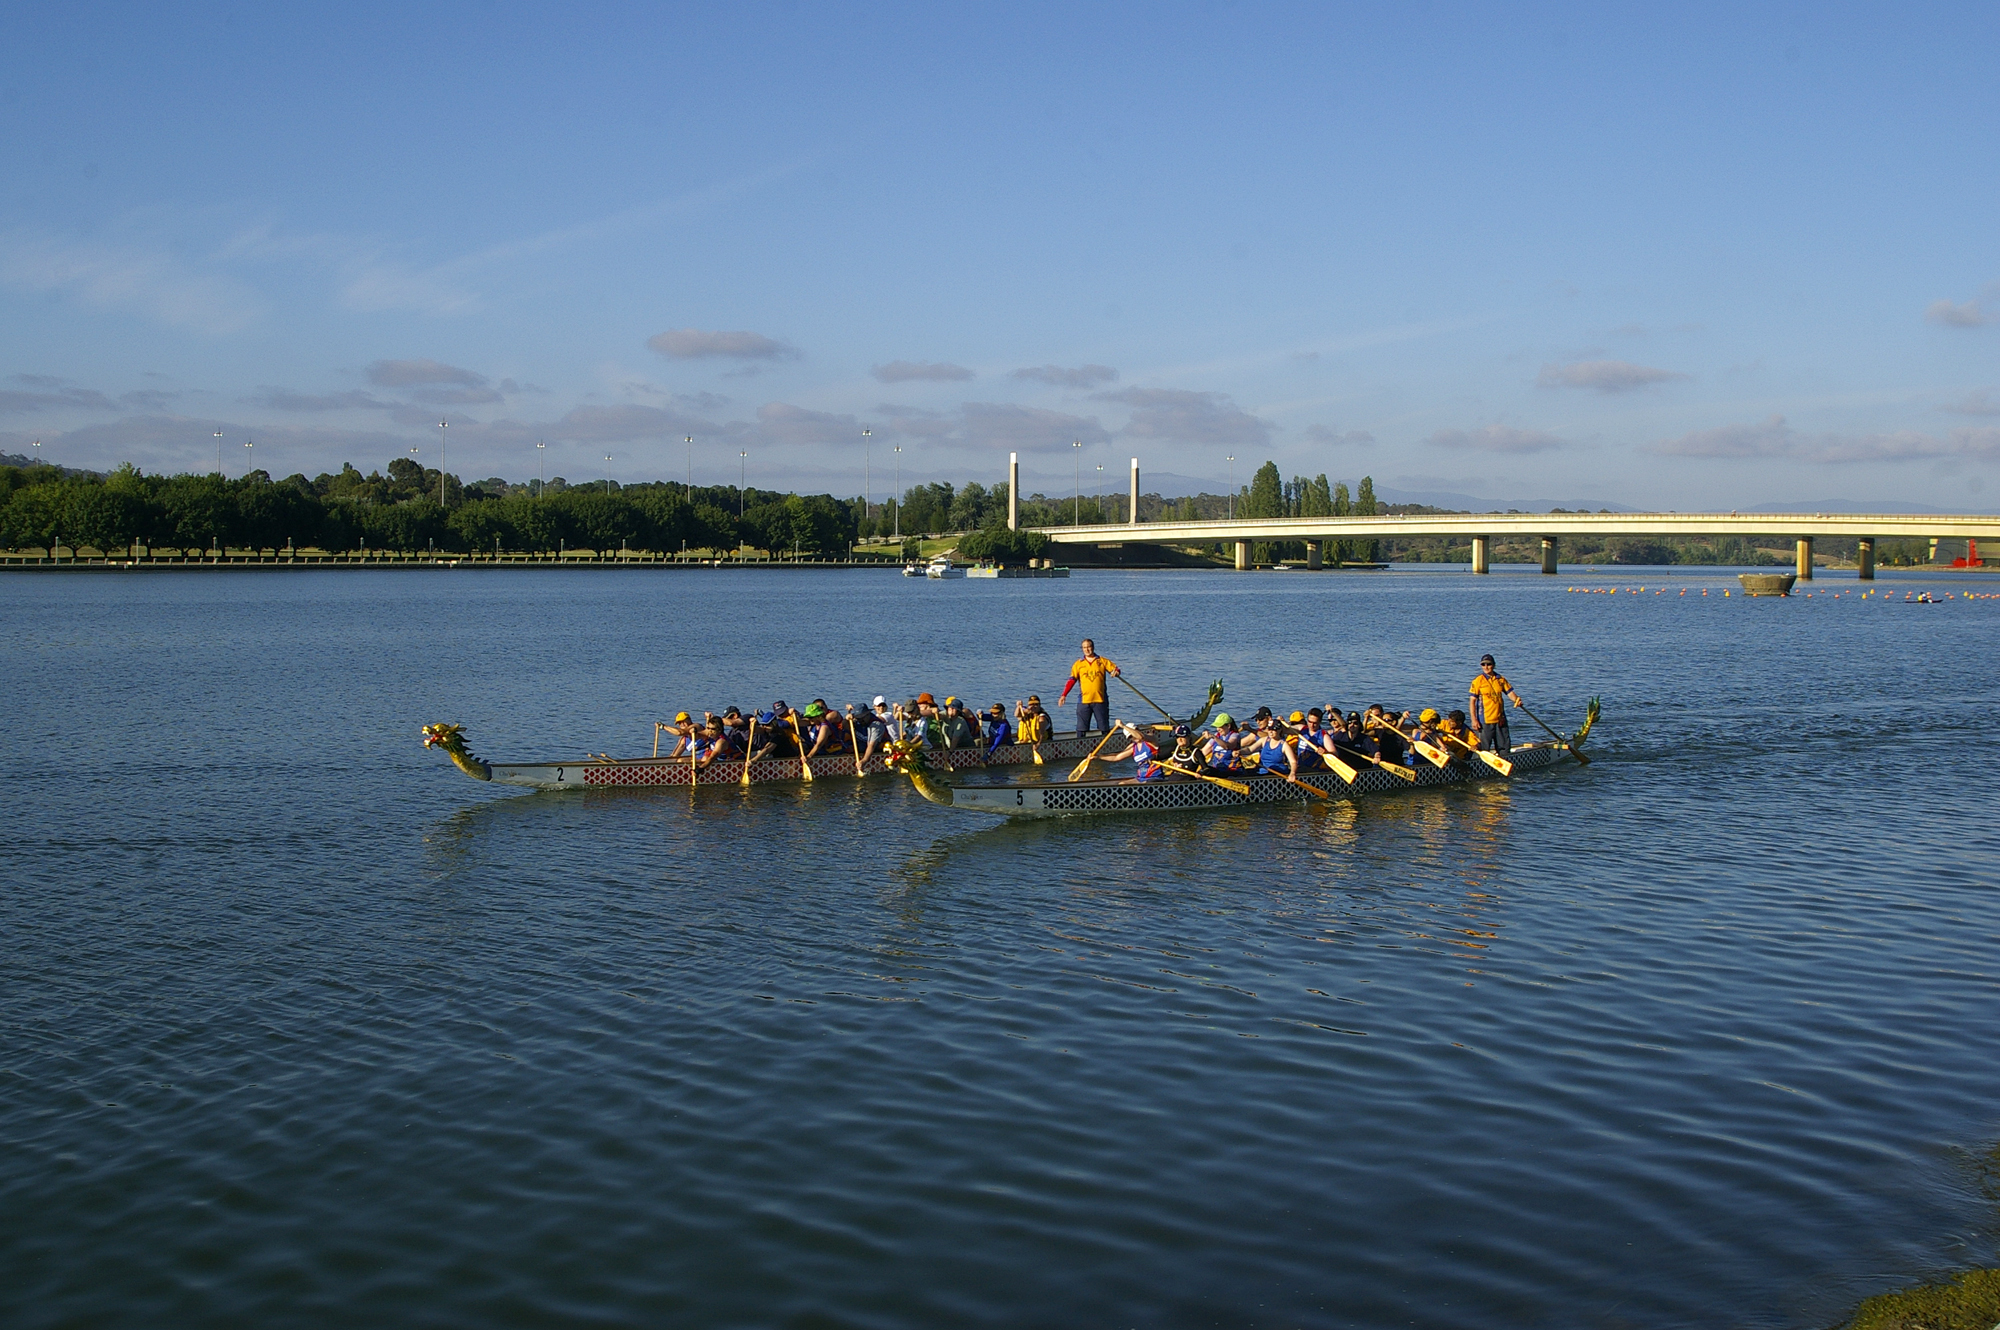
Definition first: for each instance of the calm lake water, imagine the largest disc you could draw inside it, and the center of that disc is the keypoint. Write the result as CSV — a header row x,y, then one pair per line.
x,y
301,1027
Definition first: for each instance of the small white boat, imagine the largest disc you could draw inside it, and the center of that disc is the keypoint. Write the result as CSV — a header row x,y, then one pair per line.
x,y
913,570
940,567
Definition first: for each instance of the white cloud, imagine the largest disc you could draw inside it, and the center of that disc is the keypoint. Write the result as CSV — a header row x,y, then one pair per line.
x,y
903,371
1497,439
1944,312
695,344
1180,416
1083,376
1773,438
1977,403
403,373
1026,428
1333,438
626,423
284,399
1605,376
782,424
165,287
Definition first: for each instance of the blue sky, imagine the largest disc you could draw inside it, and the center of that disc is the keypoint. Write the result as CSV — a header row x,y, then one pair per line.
x,y
1676,257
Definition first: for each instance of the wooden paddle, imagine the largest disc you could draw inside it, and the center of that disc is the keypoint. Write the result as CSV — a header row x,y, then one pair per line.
x,y
1494,760
1433,755
1338,767
1581,760
1147,700
1392,768
1236,786
749,748
1313,790
800,731
1082,767
854,736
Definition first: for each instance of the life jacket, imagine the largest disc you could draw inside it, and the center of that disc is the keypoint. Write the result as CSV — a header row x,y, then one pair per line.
x,y
1146,758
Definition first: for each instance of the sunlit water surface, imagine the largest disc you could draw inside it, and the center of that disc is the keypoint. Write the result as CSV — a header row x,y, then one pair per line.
x,y
302,1027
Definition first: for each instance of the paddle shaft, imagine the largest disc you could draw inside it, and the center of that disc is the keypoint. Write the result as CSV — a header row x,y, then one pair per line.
x,y
1147,700
854,737
749,750
1083,766
1581,760
1235,786
799,731
1427,751
1494,760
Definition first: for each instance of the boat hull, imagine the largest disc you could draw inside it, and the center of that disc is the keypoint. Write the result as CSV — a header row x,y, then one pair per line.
x,y
1101,797
594,774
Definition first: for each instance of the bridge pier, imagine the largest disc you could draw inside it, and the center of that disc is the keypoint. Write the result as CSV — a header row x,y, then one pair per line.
x,y
1805,559
1549,555
1313,555
1865,556
1479,554
1242,556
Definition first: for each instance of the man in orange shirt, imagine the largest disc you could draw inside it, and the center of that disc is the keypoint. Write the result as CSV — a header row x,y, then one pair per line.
x,y
1092,702
1489,718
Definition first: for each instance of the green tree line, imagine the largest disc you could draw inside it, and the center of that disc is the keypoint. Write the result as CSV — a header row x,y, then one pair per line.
x,y
399,509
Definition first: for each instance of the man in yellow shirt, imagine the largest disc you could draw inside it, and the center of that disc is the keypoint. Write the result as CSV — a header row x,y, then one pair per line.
x,y
1092,702
1489,718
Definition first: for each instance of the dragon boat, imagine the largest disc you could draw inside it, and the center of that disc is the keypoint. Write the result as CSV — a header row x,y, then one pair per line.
x,y
600,771
1059,798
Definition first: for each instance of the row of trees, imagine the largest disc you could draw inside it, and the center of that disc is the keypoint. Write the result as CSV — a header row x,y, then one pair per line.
x,y
41,507
399,508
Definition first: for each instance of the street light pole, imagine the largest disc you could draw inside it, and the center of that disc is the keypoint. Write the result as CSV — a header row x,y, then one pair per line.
x,y
689,441
1232,486
441,425
866,436
246,458
742,473
541,467
896,499
218,452
1074,446
607,475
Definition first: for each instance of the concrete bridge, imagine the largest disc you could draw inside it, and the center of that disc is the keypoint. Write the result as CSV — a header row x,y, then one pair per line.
x,y
1549,528
1484,527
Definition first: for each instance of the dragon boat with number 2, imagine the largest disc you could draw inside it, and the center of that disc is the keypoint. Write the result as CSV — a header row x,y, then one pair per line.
x,y
595,771
1191,789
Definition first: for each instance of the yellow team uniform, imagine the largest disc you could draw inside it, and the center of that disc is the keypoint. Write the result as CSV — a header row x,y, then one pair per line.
x,y
1089,675
1035,728
1487,694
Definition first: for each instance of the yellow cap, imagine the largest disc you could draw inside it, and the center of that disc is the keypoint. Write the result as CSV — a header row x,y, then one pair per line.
x,y
682,715
1427,715
1296,718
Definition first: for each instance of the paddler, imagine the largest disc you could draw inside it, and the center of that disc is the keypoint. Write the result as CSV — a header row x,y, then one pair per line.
x,y
1144,756
1488,716
684,731
1221,749
1275,750
1388,736
1031,721
1093,703
998,732
1313,737
1187,752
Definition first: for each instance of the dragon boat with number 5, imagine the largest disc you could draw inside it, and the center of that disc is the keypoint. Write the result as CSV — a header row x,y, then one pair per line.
x,y
1212,790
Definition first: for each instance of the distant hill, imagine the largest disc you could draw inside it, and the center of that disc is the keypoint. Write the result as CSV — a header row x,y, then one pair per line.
x,y
16,459
1867,506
